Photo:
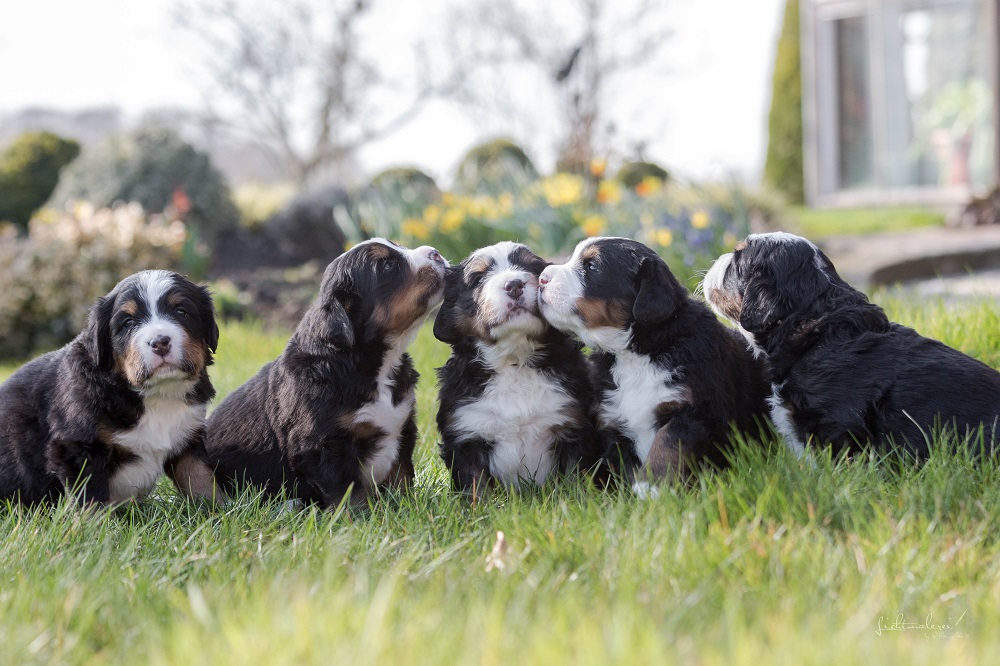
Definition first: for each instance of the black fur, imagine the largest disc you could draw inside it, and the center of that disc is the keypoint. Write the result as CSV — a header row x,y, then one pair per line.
x,y
467,378
291,427
720,384
847,375
60,413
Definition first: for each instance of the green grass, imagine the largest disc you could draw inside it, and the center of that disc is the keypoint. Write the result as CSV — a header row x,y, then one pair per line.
x,y
773,562
821,223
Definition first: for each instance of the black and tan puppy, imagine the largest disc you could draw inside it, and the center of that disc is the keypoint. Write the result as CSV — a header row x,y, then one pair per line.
x,y
118,406
515,394
336,411
841,372
672,380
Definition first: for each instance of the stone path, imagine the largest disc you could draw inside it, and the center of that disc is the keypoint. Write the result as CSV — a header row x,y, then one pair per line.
x,y
932,261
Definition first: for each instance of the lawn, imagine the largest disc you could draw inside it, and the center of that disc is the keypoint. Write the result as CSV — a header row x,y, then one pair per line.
x,y
816,223
773,562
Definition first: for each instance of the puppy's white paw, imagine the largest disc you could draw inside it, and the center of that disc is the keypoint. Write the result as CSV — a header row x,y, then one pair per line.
x,y
645,490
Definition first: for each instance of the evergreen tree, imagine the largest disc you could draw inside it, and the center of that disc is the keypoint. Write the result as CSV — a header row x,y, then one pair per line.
x,y
783,168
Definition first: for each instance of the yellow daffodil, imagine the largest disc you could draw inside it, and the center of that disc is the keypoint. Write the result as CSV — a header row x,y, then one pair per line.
x,y
700,219
594,225
609,192
648,185
562,189
452,220
664,237
598,167
415,228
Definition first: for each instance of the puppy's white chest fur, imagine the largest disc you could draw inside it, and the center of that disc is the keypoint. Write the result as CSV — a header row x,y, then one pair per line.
x,y
390,418
782,419
640,387
164,427
521,411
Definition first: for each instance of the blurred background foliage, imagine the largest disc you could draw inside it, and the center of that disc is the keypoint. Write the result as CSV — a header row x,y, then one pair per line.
x,y
29,171
149,199
499,195
55,270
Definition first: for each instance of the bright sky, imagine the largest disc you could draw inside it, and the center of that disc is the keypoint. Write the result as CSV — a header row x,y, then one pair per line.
x,y
708,119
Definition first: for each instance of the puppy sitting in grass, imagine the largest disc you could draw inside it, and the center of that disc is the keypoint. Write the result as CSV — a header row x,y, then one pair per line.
x,y
123,403
515,394
672,381
335,413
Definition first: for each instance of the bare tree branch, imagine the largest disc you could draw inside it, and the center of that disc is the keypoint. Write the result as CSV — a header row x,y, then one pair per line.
x,y
295,76
578,55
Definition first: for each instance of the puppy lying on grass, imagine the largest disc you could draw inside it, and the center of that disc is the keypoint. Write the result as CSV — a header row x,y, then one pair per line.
x,y
841,373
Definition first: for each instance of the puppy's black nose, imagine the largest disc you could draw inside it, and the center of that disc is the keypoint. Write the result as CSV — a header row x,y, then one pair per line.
x,y
435,256
160,345
514,288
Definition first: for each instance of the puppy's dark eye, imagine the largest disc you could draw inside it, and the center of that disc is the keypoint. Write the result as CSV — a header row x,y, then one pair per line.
x,y
181,312
126,324
589,265
475,279
387,264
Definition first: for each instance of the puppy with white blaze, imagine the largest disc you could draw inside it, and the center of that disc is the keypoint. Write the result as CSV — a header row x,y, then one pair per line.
x,y
120,405
516,396
842,374
335,413
672,381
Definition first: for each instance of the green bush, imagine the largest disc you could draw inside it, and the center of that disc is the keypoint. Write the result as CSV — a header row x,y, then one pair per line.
x,y
783,168
631,174
392,195
29,172
495,166
156,168
54,274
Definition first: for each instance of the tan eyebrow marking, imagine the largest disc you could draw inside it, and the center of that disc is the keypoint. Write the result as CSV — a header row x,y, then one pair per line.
x,y
378,251
476,265
590,252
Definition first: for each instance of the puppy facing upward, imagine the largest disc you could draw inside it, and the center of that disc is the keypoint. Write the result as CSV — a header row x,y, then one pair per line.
x,y
515,394
336,411
841,372
672,381
118,406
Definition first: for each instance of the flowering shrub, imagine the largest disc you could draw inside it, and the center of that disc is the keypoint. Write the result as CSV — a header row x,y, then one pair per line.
x,y
52,276
688,225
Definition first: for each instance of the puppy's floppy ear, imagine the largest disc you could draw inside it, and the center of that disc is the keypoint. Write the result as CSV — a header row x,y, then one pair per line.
x,y
445,324
98,337
659,293
325,325
761,307
210,328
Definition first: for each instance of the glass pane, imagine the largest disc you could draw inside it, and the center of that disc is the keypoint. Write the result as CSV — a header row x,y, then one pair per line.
x,y
938,101
855,164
